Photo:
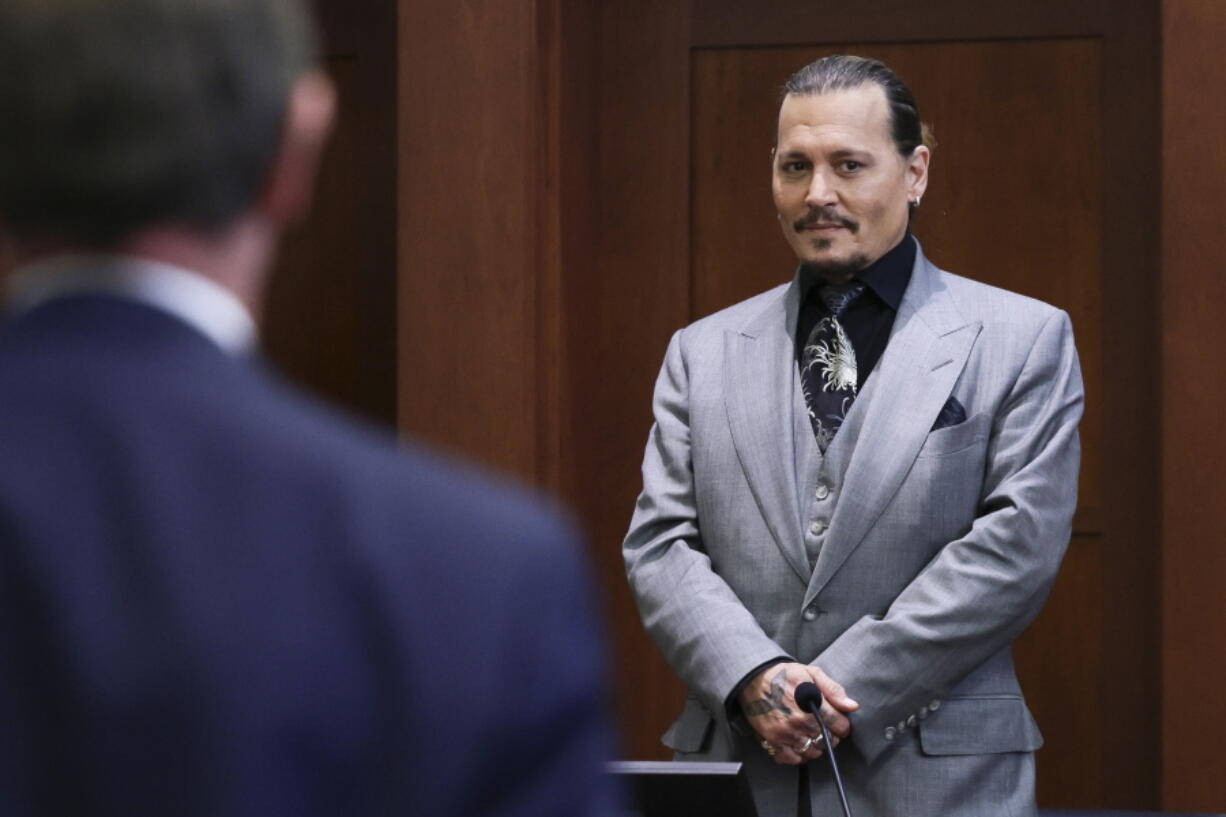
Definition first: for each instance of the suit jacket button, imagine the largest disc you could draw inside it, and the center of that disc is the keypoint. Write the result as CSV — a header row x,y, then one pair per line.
x,y
890,734
934,705
923,712
911,721
810,613
902,726
817,527
823,491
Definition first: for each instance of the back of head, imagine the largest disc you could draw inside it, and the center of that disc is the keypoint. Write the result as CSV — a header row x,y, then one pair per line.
x,y
124,114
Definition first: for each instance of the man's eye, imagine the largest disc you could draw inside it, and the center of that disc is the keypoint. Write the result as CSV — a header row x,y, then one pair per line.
x,y
851,166
794,166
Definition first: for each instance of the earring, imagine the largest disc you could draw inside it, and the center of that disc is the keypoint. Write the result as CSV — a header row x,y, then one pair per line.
x,y
916,201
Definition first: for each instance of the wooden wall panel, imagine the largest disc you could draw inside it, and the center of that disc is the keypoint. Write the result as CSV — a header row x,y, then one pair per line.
x,y
1011,201
330,318
469,228
1130,641
804,22
543,261
1060,661
1194,386
625,296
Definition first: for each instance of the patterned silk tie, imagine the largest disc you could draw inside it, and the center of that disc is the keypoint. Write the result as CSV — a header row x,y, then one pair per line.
x,y
828,365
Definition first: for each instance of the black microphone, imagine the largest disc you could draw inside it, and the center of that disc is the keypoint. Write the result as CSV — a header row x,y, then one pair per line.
x,y
809,699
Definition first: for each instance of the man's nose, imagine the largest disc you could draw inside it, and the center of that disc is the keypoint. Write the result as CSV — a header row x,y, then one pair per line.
x,y
821,192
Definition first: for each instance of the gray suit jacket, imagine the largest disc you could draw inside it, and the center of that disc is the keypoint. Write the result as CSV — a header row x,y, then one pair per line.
x,y
940,550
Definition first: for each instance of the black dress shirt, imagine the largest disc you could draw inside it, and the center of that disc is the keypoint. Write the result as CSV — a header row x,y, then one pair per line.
x,y
870,317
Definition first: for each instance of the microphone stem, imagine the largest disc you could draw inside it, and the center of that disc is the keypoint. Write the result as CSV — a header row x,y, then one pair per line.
x,y
834,764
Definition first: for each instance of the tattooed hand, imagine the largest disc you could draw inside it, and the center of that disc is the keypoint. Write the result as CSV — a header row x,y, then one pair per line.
x,y
768,704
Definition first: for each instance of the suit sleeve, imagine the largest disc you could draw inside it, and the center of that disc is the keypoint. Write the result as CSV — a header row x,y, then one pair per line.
x,y
984,588
703,629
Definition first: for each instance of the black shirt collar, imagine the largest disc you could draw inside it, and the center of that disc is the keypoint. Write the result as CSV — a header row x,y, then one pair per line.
x,y
887,277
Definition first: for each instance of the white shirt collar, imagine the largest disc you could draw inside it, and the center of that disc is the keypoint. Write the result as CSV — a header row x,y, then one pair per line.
x,y
197,301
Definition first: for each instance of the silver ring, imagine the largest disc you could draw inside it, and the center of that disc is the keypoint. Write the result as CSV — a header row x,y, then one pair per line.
x,y
804,747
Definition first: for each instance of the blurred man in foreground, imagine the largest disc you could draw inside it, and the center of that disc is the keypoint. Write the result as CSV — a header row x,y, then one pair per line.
x,y
217,598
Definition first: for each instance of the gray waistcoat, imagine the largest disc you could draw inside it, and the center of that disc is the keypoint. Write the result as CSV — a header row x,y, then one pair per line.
x,y
819,477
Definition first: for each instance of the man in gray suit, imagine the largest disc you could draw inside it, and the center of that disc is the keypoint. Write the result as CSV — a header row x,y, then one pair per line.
x,y
865,479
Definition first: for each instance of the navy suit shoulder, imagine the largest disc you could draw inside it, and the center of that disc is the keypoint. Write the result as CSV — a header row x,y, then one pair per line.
x,y
218,586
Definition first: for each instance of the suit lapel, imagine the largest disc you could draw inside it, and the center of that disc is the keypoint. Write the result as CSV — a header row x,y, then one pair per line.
x,y
927,351
759,370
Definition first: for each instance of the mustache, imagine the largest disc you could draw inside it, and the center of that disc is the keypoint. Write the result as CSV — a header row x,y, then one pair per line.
x,y
825,217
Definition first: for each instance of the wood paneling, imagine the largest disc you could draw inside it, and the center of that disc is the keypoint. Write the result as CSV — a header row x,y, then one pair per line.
x,y
1060,665
329,318
625,296
1131,649
805,22
543,261
1194,385
469,225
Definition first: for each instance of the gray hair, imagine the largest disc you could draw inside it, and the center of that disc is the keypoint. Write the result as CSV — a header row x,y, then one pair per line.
x,y
120,114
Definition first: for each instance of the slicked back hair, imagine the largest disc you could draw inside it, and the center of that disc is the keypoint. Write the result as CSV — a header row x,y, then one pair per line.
x,y
121,114
843,73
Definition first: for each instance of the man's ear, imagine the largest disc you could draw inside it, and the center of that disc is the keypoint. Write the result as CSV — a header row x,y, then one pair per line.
x,y
917,172
308,121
